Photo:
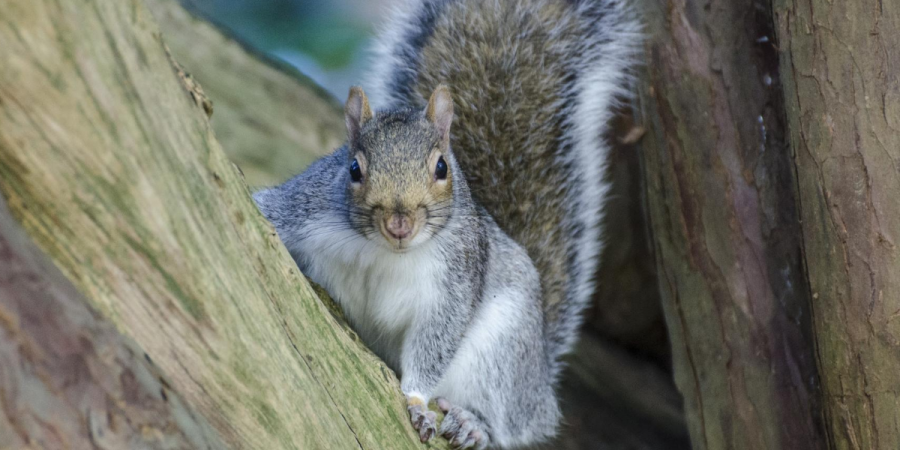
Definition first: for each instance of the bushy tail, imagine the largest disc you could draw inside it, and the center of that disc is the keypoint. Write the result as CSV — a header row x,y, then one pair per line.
x,y
534,83
610,48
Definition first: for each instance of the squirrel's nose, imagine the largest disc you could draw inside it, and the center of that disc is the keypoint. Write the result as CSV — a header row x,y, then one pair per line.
x,y
398,226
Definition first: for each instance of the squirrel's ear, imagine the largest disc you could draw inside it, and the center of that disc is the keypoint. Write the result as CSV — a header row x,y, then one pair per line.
x,y
356,112
440,111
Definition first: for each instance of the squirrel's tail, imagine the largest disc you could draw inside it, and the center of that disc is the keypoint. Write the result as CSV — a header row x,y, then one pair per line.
x,y
534,83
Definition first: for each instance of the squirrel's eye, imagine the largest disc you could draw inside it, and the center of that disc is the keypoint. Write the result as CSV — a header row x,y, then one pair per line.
x,y
440,170
355,173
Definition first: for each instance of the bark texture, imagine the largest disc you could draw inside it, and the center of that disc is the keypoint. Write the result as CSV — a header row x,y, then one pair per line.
x,y
841,66
108,161
721,199
68,379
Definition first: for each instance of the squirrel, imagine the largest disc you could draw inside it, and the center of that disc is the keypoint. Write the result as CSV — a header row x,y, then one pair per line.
x,y
461,235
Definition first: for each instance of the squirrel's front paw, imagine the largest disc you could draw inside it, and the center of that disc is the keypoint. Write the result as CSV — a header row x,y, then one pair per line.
x,y
462,428
423,420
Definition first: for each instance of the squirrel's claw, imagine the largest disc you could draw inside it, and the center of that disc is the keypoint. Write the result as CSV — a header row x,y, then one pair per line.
x,y
462,428
423,420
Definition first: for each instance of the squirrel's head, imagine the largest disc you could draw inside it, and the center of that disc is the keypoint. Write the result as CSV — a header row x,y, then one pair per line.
x,y
400,169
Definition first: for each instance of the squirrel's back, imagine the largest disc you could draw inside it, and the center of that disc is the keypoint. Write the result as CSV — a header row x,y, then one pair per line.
x,y
534,84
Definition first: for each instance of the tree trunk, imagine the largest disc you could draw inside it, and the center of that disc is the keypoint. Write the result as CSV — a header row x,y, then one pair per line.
x,y
721,198
770,162
842,85
68,379
112,168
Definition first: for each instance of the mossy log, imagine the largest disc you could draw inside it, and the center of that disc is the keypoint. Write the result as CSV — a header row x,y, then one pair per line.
x,y
108,161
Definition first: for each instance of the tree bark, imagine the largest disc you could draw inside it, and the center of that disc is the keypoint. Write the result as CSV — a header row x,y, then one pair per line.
x,y
68,379
772,167
721,196
842,89
111,166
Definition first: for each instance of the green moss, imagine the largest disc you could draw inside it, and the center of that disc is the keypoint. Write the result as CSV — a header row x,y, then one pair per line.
x,y
193,306
269,418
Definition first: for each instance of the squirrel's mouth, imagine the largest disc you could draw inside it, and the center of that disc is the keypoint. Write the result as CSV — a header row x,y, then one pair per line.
x,y
400,245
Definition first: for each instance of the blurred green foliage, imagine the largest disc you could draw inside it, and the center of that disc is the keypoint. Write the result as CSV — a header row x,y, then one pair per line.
x,y
330,32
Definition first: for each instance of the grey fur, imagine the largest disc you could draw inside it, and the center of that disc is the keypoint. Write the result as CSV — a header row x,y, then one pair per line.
x,y
535,82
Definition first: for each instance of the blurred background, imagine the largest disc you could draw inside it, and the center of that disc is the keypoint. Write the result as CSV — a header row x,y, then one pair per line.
x,y
326,40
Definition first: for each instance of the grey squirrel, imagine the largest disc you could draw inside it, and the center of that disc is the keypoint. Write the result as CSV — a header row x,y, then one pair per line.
x,y
461,241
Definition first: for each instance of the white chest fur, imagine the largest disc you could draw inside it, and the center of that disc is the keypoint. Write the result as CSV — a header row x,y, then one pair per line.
x,y
380,291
